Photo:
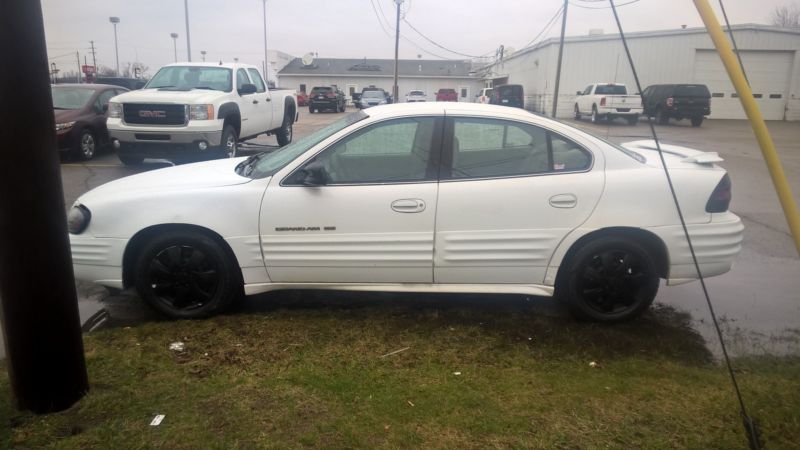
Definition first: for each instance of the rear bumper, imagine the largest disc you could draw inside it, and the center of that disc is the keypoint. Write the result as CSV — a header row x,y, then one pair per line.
x,y
323,103
682,112
608,111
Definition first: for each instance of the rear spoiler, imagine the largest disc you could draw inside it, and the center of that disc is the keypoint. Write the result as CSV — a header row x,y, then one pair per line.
x,y
688,155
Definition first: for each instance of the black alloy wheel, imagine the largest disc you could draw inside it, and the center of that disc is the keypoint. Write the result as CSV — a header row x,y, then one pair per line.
x,y
611,279
186,275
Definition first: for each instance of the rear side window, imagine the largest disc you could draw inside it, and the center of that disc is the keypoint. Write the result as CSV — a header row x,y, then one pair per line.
x,y
610,89
692,90
483,148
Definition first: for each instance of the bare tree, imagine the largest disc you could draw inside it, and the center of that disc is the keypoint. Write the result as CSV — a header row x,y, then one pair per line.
x,y
105,71
785,16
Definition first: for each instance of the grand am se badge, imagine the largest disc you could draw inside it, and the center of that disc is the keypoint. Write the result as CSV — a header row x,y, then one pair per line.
x,y
305,228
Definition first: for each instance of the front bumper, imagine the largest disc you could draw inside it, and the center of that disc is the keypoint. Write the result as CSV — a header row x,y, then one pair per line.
x,y
98,260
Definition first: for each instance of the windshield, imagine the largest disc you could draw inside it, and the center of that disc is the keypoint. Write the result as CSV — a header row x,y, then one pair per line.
x,y
71,97
416,93
611,89
186,78
275,161
373,94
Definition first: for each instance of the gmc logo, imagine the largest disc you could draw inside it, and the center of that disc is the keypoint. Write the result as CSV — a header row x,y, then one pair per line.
x,y
153,114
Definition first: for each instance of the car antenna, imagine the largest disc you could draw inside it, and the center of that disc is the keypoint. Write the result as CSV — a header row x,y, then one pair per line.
x,y
220,62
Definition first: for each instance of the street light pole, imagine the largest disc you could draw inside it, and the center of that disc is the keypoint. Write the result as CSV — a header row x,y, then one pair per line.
x,y
115,21
395,89
174,37
188,40
203,53
266,58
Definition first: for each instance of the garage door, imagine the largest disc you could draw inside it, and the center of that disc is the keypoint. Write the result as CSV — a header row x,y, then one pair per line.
x,y
769,73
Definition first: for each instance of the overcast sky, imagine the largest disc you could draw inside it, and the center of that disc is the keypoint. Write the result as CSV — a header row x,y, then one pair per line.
x,y
342,28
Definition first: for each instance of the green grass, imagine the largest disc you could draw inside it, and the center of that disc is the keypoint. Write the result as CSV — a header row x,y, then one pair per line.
x,y
302,373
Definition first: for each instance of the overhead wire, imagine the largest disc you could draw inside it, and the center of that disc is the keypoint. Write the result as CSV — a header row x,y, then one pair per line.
x,y
546,27
578,5
733,40
387,32
749,424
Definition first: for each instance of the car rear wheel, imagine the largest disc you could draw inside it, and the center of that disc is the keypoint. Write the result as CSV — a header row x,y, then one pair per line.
x,y
697,121
661,118
310,110
610,279
186,275
577,112
633,120
595,116
284,133
229,142
87,145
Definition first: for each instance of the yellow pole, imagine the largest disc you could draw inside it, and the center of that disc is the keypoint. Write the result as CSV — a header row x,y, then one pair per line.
x,y
755,117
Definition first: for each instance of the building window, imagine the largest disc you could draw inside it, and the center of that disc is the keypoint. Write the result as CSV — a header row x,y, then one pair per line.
x,y
758,95
302,88
718,94
463,92
734,95
775,96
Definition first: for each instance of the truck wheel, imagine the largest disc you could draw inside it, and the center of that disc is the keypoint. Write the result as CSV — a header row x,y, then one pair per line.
x,y
595,116
284,133
310,110
577,112
697,121
129,160
229,142
633,120
661,118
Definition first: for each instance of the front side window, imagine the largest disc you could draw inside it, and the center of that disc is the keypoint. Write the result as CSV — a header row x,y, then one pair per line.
x,y
588,90
487,148
256,77
393,151
241,79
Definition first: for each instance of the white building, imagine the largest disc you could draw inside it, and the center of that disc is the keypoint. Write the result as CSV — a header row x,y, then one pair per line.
x,y
352,75
769,54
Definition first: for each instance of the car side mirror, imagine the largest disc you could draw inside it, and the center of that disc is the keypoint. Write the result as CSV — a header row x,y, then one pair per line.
x,y
313,174
247,88
579,93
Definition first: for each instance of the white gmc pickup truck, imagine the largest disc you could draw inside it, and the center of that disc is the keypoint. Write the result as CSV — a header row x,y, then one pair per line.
x,y
608,101
191,111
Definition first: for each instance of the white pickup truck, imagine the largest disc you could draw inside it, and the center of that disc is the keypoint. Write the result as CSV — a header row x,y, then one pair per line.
x,y
191,111
608,101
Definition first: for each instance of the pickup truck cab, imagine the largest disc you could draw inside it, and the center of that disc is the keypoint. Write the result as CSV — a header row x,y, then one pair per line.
x,y
191,111
608,101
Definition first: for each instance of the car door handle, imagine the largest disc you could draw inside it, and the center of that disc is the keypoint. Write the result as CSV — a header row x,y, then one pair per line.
x,y
255,101
563,201
408,205
269,99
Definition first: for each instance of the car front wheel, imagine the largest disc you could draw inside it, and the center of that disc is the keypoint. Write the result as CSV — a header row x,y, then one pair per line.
x,y
186,275
610,279
595,116
87,145
229,142
577,112
284,133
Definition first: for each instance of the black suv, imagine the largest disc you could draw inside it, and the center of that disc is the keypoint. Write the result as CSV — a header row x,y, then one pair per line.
x,y
677,101
508,95
326,97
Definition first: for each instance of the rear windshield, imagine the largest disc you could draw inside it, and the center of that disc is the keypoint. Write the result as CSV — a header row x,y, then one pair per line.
x,y
318,90
416,93
692,90
509,90
611,89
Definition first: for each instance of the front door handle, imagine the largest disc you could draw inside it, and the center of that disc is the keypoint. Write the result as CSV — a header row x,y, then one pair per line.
x,y
563,201
408,205
255,102
269,99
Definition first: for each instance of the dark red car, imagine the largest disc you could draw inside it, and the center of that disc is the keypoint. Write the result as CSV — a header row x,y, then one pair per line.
x,y
446,95
302,98
80,113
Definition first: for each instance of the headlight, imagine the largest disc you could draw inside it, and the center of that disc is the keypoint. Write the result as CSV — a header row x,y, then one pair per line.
x,y
78,219
64,126
114,110
201,112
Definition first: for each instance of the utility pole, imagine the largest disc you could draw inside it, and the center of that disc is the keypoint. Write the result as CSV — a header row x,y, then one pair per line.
x,y
174,37
45,360
188,41
203,53
266,58
78,57
115,21
94,58
560,54
395,89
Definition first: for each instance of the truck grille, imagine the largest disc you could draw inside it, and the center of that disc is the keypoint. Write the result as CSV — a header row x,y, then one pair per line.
x,y
154,114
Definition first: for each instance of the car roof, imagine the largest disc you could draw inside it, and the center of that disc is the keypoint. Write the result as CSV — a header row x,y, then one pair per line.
x,y
423,108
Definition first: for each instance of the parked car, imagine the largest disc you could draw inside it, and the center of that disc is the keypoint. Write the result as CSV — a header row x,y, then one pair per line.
x,y
128,83
484,95
416,96
302,98
677,101
373,97
356,99
326,98
191,111
446,95
539,208
80,113
608,101
508,95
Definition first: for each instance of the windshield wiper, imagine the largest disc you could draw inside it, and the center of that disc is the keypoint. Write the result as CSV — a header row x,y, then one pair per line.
x,y
205,87
246,167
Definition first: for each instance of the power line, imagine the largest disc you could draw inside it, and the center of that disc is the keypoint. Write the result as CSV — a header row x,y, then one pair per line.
x,y
573,3
546,26
435,43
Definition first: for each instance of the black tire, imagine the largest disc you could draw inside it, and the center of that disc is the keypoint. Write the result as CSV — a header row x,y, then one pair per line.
x,y
86,146
697,121
342,108
229,142
186,275
595,116
130,160
577,112
610,279
661,118
285,132
310,110
633,120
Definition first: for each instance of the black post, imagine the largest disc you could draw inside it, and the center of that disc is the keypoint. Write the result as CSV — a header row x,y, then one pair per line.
x,y
38,303
560,54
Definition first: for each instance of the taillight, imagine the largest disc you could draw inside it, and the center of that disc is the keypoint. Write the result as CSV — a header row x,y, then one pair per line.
x,y
603,101
330,95
721,197
670,102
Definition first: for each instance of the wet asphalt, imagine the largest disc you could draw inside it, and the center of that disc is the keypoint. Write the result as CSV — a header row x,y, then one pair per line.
x,y
757,302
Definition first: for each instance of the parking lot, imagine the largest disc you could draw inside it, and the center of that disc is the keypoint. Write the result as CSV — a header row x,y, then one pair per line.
x,y
757,300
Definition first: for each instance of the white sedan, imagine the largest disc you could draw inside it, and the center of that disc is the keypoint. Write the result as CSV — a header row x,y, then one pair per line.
x,y
422,197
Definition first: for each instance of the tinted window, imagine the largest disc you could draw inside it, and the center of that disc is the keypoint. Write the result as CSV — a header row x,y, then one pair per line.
x,y
321,90
610,89
692,90
392,151
491,148
256,77
241,79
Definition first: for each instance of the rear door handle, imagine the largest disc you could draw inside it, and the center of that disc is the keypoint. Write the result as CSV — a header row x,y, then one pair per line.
x,y
408,205
563,201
